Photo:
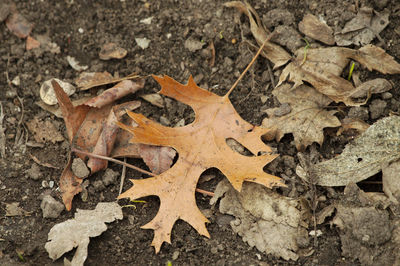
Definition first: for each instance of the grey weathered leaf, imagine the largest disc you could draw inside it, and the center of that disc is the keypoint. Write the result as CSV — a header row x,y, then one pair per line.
x,y
364,157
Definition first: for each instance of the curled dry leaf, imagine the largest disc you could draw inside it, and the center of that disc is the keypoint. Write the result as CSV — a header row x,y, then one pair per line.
x,y
75,64
307,117
364,157
362,29
200,145
112,51
47,92
76,232
352,123
323,67
315,28
154,99
88,80
273,52
88,130
264,219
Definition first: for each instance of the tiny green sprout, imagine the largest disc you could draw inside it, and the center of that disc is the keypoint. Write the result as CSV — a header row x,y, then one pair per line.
x,y
133,206
305,50
20,256
220,34
169,263
351,71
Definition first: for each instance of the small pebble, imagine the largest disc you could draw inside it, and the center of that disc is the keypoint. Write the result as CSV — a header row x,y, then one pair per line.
x,y
175,255
358,112
377,108
34,172
109,177
79,168
50,207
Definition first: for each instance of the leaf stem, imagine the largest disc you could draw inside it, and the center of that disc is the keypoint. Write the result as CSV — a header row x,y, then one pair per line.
x,y
249,65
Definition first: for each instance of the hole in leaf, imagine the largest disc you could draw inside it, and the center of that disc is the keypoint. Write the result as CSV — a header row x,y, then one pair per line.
x,y
359,159
237,147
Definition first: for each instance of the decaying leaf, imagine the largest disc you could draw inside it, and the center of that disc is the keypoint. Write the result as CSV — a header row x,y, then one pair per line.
x,y
31,43
89,130
13,209
18,24
112,50
200,145
391,181
88,80
264,219
47,93
307,117
352,123
366,231
362,29
364,157
154,99
44,131
315,28
323,67
273,52
76,232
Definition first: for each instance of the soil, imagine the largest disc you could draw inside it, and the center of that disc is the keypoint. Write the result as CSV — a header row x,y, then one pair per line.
x,y
80,28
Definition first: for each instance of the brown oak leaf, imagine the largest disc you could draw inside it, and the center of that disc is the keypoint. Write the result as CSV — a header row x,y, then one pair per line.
x,y
322,68
200,145
307,117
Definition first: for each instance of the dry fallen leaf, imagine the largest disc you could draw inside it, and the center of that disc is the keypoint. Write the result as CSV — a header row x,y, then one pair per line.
x,y
200,145
307,118
13,209
158,159
323,66
89,130
273,52
31,43
362,29
364,157
264,219
47,92
391,181
88,80
76,232
18,24
44,131
315,28
112,50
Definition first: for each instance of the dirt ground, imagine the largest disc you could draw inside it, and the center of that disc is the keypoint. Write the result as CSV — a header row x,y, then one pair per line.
x,y
79,28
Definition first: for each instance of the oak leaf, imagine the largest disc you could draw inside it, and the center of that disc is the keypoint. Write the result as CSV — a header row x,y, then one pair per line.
x,y
307,117
322,68
200,145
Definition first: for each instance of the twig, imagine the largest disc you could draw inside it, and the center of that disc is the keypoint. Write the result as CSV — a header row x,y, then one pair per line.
x,y
123,174
249,65
2,134
113,160
130,166
36,160
271,75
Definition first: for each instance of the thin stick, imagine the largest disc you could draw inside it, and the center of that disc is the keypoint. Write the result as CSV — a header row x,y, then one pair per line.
x,y
249,65
114,161
123,174
130,166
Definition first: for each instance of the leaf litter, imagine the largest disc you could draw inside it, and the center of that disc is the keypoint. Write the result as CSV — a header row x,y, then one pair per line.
x,y
264,219
215,118
76,233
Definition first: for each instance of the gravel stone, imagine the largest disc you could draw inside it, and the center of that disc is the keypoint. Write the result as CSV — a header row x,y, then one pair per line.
x,y
376,108
109,177
79,168
359,112
50,207
34,172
